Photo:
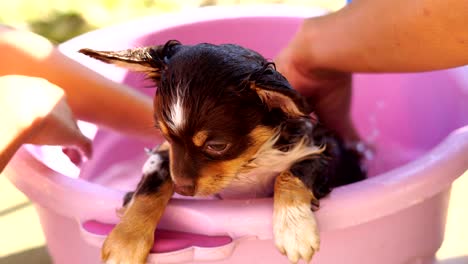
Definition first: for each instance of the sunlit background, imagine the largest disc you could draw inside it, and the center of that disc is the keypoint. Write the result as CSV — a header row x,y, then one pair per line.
x,y
21,238
60,20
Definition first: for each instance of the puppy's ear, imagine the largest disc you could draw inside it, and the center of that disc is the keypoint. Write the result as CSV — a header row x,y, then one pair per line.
x,y
275,91
150,60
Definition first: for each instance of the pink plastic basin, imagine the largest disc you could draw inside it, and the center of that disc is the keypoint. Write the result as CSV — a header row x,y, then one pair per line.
x,y
416,122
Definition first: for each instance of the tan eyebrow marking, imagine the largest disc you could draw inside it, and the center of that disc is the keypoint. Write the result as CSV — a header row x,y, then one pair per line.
x,y
199,138
163,128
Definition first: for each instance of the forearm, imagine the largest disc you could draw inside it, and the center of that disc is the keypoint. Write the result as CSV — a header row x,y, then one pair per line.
x,y
101,101
92,97
390,35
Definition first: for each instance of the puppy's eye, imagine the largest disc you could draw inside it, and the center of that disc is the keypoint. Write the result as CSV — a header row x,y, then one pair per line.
x,y
216,147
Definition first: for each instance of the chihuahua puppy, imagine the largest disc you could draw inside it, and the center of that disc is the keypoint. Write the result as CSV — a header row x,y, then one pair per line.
x,y
236,129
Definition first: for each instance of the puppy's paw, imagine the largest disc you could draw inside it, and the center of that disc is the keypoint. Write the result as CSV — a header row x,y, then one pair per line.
x,y
126,246
295,231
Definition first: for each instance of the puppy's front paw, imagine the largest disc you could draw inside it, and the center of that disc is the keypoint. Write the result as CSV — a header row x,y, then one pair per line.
x,y
127,246
296,233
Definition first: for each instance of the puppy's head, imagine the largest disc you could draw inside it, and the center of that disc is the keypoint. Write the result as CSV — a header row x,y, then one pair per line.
x,y
215,104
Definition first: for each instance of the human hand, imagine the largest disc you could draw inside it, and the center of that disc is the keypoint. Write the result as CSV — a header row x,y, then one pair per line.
x,y
59,128
327,91
40,107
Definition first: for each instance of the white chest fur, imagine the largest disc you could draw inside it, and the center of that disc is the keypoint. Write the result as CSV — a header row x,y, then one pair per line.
x,y
257,177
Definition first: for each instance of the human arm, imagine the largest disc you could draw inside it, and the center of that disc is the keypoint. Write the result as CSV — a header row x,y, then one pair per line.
x,y
371,36
91,97
387,36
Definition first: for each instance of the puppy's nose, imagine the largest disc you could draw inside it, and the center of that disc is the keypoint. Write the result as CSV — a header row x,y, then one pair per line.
x,y
187,190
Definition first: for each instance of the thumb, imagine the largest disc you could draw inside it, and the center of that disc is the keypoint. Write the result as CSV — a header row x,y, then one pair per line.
x,y
80,151
85,145
81,142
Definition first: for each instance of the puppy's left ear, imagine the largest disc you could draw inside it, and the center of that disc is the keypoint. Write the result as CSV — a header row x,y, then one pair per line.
x,y
150,60
275,91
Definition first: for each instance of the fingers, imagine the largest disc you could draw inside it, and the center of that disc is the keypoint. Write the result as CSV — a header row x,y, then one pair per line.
x,y
328,93
59,128
80,152
80,141
78,147
41,107
86,147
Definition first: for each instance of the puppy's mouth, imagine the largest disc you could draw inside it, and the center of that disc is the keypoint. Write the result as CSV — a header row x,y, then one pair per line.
x,y
186,190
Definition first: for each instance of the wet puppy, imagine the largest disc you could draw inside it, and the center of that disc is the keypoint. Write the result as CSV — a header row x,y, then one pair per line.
x,y
236,129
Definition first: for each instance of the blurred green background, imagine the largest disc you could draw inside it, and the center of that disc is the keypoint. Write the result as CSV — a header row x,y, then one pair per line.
x,y
60,20
21,238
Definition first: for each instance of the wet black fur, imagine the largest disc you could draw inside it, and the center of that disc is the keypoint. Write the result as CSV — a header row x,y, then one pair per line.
x,y
152,181
216,80
336,166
